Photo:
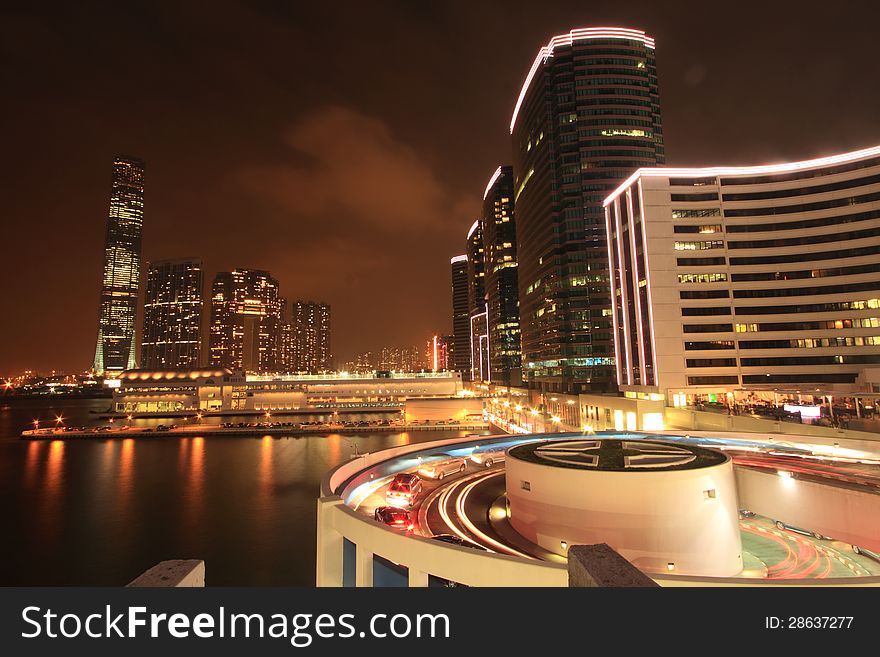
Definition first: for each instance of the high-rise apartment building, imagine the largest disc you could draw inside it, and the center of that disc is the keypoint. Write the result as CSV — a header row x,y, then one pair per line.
x,y
459,351
115,350
587,116
437,352
500,271
311,337
245,321
172,329
477,313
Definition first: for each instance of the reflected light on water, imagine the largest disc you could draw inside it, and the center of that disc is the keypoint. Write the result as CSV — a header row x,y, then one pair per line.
x,y
32,462
54,477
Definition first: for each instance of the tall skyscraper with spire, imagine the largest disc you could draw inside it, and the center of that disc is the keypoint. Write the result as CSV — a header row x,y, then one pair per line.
x,y
115,350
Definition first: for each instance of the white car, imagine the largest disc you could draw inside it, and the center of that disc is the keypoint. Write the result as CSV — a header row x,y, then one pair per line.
x,y
439,469
488,455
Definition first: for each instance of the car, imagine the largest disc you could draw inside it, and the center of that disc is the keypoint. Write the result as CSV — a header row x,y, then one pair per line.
x,y
488,455
452,539
798,530
745,513
866,552
439,469
393,516
162,427
403,489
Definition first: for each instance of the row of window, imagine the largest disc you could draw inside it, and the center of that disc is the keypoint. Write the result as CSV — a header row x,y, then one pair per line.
x,y
806,273
817,377
806,257
813,343
700,262
831,324
806,291
703,278
704,196
803,191
699,246
803,174
683,213
703,229
704,294
805,223
783,361
834,306
807,239
802,207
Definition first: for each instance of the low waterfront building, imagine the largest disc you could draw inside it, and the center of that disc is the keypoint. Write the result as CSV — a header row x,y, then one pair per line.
x,y
212,390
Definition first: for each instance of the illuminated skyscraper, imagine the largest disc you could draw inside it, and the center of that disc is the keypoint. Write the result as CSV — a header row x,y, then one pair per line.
x,y
500,266
477,314
115,350
459,351
437,352
245,321
172,331
311,337
587,116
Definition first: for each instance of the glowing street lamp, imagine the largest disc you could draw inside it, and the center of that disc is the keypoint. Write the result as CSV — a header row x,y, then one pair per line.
x,y
59,420
36,424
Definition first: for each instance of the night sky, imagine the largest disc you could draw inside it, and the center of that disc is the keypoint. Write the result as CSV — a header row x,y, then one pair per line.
x,y
345,146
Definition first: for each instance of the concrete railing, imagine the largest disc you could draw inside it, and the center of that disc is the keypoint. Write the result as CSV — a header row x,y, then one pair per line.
x,y
686,418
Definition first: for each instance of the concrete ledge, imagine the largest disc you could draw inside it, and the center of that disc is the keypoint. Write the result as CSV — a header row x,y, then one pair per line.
x,y
600,566
173,573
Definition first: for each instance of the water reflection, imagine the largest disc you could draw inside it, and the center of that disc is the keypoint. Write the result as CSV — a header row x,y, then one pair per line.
x,y
125,476
32,463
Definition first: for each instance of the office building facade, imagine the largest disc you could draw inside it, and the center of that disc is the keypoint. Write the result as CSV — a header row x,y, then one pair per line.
x,y
172,329
477,313
115,350
245,321
459,351
753,279
498,229
588,115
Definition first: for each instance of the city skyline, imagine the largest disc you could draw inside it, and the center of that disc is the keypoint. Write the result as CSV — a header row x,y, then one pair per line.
x,y
224,176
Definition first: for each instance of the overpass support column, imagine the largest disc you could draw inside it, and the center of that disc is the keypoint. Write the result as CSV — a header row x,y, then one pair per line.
x,y
364,568
328,566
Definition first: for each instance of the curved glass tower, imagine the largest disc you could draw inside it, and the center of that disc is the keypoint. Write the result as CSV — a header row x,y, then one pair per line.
x,y
588,115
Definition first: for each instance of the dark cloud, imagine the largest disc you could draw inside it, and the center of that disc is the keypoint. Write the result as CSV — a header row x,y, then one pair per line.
x,y
353,172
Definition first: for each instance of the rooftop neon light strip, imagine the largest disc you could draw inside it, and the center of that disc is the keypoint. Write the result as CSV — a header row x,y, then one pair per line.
x,y
567,40
473,228
662,172
458,258
492,182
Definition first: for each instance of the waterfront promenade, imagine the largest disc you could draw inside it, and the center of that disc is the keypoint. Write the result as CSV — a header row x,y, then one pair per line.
x,y
243,429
